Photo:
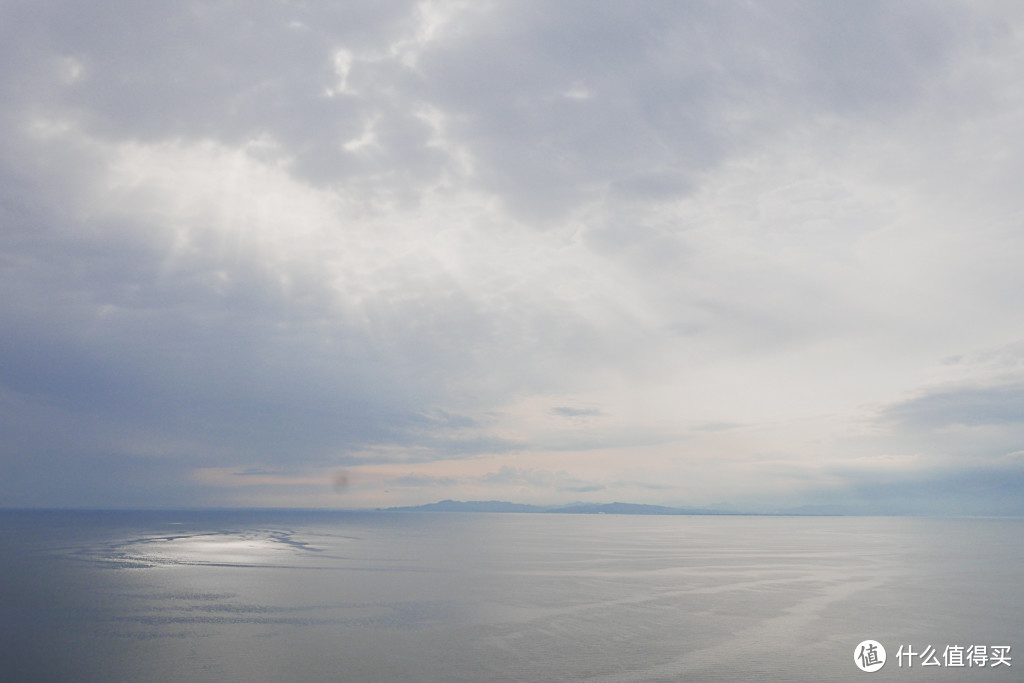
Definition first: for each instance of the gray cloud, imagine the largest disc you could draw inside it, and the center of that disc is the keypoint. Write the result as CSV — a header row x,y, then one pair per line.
x,y
961,405
422,481
504,478
297,236
986,489
540,480
559,103
570,412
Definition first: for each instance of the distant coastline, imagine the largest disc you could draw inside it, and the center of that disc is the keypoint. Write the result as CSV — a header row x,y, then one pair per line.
x,y
610,509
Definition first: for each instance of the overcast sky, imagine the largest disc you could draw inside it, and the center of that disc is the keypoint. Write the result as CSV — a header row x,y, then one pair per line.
x,y
364,254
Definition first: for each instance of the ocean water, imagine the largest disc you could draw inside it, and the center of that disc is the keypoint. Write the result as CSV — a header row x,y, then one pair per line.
x,y
333,596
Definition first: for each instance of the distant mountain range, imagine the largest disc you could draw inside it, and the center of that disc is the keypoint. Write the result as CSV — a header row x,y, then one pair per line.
x,y
636,509
570,509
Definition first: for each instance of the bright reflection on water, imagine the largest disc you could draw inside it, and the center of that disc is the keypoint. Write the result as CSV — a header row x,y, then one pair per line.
x,y
276,596
260,548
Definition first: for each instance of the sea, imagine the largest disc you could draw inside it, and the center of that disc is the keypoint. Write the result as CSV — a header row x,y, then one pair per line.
x,y
270,595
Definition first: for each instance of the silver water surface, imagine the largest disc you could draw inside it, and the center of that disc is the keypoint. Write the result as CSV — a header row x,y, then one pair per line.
x,y
303,596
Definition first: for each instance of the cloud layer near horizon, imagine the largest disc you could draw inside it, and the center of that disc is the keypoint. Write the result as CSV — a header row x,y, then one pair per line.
x,y
390,253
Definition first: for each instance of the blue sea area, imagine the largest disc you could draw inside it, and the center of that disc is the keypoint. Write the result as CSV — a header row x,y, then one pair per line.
x,y
389,596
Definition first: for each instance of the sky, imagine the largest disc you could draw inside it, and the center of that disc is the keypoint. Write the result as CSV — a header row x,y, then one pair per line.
x,y
744,255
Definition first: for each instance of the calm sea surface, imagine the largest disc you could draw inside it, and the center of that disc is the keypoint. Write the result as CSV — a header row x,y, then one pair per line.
x,y
309,596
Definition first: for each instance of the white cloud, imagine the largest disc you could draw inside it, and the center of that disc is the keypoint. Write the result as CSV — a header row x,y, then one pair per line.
x,y
301,236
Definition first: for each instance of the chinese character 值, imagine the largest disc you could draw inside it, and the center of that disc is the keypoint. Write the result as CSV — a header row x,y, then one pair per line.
x,y
953,655
868,655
